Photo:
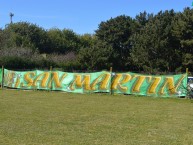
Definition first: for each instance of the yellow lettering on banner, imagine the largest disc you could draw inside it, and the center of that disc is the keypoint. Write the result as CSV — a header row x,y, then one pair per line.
x,y
43,80
79,82
55,78
17,82
154,85
180,81
104,83
28,78
170,84
103,79
10,78
96,81
139,82
117,82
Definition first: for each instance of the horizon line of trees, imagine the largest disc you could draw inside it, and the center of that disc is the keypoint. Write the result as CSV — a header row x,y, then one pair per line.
x,y
161,42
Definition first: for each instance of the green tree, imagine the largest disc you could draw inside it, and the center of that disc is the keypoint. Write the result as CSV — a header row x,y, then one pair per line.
x,y
24,34
117,32
96,57
87,40
73,40
57,41
63,41
142,19
154,47
182,31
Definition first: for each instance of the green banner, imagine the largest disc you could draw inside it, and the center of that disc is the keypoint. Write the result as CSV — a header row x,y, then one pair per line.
x,y
1,73
57,80
150,85
124,83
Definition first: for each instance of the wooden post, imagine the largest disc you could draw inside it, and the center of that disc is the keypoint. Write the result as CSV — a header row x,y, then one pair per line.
x,y
2,81
187,71
51,78
111,80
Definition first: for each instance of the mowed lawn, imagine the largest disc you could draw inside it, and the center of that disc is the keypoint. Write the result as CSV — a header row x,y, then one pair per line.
x,y
55,118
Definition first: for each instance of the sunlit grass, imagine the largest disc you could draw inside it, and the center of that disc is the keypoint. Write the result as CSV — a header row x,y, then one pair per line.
x,y
55,118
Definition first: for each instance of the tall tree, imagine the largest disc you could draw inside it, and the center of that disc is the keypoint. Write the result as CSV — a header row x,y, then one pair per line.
x,y
142,18
182,31
155,49
87,40
63,41
96,57
116,32
24,34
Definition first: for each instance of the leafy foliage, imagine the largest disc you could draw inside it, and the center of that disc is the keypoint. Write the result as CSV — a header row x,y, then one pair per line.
x,y
148,42
96,57
155,48
117,32
24,34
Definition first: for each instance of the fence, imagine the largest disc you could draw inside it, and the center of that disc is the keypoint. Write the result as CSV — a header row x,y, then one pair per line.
x,y
104,81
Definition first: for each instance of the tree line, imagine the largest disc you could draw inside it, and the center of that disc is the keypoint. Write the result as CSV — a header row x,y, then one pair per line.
x,y
161,42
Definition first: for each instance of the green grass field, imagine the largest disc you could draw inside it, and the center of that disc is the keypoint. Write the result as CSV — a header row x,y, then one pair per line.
x,y
55,118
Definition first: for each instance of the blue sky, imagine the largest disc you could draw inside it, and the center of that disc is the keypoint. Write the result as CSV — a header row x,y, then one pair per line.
x,y
82,16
